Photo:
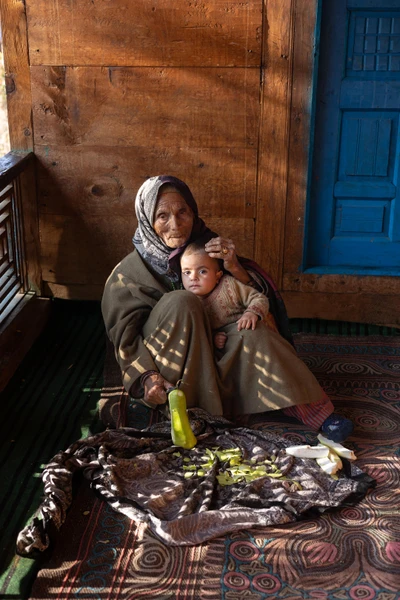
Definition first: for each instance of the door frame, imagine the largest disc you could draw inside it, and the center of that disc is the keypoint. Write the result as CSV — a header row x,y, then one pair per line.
x,y
290,62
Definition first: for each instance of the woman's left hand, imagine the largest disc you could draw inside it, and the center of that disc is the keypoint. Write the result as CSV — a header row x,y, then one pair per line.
x,y
224,249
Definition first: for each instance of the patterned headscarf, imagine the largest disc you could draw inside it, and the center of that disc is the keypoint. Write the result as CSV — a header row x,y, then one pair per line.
x,y
149,245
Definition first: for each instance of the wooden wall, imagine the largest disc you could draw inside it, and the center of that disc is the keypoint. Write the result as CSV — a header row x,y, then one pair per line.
x,y
216,92
124,90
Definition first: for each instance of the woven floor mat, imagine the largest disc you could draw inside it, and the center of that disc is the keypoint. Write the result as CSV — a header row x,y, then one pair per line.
x,y
353,553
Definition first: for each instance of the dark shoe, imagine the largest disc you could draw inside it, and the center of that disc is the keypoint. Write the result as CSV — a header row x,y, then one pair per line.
x,y
337,428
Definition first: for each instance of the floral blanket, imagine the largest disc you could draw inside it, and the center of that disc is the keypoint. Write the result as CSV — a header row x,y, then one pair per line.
x,y
190,496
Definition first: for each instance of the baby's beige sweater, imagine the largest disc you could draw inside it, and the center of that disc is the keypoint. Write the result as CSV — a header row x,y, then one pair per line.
x,y
230,299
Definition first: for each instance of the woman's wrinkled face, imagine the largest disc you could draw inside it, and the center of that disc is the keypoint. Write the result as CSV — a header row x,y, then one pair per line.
x,y
173,219
200,273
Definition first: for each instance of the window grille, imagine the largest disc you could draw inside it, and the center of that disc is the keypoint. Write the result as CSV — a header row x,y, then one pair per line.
x,y
13,276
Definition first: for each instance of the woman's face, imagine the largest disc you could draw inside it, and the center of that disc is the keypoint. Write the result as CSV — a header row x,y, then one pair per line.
x,y
173,219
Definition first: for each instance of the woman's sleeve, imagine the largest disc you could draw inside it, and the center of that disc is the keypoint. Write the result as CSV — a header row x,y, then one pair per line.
x,y
126,306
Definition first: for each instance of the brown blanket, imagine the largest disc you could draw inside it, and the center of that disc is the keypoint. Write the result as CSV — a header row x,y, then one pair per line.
x,y
140,474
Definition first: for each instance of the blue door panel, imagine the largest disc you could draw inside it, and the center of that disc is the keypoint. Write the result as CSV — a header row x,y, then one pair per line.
x,y
343,255
372,94
354,211
368,146
354,189
360,217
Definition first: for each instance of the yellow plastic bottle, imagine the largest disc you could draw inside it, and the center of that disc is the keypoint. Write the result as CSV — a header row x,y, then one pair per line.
x,y
181,432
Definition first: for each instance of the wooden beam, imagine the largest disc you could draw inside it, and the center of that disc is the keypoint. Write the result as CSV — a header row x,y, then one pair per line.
x,y
299,141
142,33
103,180
346,284
148,107
274,135
17,74
376,309
11,165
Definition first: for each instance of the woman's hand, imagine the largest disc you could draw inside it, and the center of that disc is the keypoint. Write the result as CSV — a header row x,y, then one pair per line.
x,y
248,320
224,249
155,389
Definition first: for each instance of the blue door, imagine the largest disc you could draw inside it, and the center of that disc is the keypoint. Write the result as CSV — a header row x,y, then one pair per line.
x,y
354,209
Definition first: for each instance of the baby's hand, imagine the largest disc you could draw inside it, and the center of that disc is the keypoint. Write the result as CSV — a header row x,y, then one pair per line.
x,y
220,340
248,320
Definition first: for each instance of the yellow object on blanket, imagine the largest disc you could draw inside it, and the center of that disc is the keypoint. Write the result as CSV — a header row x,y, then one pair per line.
x,y
181,432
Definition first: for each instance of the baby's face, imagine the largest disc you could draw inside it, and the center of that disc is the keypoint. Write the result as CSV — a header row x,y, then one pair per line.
x,y
200,273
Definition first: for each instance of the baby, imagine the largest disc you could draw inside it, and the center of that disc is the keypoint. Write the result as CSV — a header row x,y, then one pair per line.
x,y
225,299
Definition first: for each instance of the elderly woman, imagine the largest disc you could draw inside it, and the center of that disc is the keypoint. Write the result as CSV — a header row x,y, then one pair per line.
x,y
161,333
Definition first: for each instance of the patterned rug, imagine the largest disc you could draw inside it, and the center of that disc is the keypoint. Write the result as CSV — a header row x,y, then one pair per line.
x,y
353,553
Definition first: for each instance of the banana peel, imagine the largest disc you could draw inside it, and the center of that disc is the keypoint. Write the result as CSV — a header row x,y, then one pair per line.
x,y
327,453
330,464
338,448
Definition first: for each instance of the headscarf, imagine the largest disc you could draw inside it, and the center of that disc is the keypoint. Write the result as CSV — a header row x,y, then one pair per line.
x,y
149,245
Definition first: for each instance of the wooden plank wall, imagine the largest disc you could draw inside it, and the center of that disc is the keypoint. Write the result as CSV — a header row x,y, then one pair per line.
x,y
216,92
124,90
